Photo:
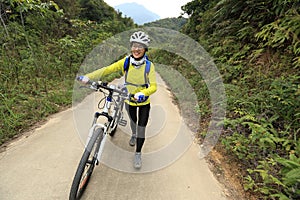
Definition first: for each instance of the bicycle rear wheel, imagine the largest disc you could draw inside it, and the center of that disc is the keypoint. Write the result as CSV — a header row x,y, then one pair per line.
x,y
115,122
86,165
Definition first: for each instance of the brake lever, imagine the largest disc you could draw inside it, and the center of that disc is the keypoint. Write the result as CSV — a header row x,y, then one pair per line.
x,y
83,86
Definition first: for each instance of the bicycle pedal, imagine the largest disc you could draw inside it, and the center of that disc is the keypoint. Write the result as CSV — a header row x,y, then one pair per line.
x,y
122,122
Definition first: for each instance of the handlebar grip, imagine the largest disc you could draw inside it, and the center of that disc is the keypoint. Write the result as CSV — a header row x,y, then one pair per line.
x,y
104,84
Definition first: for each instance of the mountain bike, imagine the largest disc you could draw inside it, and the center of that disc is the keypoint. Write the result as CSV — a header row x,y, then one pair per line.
x,y
112,111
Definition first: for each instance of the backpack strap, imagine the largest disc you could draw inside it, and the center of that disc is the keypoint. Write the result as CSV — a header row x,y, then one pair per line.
x,y
146,73
126,67
126,64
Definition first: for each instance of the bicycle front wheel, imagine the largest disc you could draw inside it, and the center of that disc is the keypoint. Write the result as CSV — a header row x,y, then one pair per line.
x,y
86,165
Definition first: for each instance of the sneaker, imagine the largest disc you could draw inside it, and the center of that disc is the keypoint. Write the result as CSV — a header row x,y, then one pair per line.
x,y
132,140
137,160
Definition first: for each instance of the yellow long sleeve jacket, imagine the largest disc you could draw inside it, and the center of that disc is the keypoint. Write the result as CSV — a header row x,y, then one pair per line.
x,y
135,79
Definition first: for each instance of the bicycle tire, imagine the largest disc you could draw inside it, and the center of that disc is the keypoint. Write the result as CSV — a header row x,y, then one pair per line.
x,y
86,166
114,123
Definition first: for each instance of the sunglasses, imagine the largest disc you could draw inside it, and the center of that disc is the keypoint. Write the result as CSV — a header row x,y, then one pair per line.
x,y
137,46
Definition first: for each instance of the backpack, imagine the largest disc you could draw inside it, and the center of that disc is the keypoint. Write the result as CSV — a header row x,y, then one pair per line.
x,y
146,72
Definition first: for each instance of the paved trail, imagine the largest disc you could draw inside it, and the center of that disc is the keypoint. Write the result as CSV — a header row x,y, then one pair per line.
x,y
41,164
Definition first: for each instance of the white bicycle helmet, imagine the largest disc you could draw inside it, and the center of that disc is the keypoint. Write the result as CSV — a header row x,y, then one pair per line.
x,y
140,37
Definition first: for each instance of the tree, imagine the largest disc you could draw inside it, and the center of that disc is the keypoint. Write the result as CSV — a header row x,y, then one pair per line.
x,y
96,10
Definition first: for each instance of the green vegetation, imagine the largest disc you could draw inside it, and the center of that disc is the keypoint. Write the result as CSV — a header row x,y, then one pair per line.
x,y
256,46
42,46
169,23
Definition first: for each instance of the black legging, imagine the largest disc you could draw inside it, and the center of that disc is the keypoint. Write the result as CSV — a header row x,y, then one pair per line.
x,y
138,122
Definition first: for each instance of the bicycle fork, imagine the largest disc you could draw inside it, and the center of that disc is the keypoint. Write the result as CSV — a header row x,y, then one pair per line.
x,y
92,130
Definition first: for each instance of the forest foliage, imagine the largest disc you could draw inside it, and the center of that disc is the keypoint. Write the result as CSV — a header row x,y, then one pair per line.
x,y
43,44
168,23
256,46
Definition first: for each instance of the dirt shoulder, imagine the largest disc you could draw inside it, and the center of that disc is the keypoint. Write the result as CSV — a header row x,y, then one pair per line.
x,y
228,172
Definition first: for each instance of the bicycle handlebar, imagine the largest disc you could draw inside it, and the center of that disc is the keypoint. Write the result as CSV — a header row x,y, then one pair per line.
x,y
98,86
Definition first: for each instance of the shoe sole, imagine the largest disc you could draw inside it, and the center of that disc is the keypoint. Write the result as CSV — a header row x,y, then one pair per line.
x,y
137,166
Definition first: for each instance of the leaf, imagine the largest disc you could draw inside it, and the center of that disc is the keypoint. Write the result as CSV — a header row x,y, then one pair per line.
x,y
288,163
280,196
292,177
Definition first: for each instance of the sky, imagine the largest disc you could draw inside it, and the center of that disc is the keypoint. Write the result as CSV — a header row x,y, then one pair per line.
x,y
164,8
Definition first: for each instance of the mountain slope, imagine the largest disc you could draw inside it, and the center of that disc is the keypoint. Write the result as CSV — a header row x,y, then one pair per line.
x,y
137,12
169,23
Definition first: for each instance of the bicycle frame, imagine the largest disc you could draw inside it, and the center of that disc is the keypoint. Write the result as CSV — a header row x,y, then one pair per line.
x,y
118,106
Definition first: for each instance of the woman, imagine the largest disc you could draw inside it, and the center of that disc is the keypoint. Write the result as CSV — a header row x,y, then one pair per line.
x,y
140,80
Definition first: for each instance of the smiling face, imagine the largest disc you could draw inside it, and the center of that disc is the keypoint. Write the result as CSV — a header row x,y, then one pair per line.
x,y
137,50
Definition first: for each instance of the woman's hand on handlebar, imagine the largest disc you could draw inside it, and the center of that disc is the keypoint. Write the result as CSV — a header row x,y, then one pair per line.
x,y
83,79
139,97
